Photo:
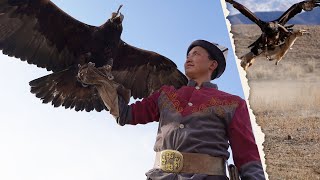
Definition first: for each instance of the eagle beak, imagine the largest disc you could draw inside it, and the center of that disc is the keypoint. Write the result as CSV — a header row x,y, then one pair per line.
x,y
116,15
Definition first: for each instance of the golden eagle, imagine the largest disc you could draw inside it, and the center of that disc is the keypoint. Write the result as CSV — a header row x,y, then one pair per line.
x,y
38,32
274,32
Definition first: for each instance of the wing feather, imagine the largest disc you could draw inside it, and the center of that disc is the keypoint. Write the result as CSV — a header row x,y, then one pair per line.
x,y
245,11
290,13
144,72
296,9
63,89
38,32
41,33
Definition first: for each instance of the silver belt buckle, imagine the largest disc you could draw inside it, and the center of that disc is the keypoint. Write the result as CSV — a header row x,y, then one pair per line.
x,y
171,161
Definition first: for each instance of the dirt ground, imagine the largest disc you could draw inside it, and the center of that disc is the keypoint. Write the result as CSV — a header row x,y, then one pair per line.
x,y
286,102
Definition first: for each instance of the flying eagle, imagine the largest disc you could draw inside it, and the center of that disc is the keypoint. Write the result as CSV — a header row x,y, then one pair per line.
x,y
274,32
39,32
276,53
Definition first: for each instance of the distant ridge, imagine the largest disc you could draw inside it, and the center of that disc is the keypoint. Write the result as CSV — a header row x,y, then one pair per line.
x,y
307,18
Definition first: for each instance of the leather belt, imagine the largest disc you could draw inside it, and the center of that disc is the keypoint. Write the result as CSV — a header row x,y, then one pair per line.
x,y
172,161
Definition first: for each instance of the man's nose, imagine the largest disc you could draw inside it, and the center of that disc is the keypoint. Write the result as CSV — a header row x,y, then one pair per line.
x,y
188,60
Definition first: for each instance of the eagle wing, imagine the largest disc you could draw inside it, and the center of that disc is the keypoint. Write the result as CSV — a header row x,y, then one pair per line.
x,y
245,11
296,9
38,32
63,89
144,72
141,71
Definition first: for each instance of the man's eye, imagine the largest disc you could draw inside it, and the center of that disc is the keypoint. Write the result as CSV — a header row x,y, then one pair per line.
x,y
193,54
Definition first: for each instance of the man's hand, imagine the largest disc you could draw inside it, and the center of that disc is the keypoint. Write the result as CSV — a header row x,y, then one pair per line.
x,y
108,89
90,75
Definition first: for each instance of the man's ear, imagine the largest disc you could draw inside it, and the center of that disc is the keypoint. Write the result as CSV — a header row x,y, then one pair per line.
x,y
213,65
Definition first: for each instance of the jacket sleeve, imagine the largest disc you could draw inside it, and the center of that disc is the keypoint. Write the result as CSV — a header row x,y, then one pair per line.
x,y
243,145
140,112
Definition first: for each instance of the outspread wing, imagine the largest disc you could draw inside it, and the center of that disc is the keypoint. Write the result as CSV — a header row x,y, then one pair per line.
x,y
245,11
141,71
42,34
144,72
38,32
63,89
296,9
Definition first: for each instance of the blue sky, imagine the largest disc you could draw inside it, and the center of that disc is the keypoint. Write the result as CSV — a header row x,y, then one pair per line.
x,y
265,5
40,142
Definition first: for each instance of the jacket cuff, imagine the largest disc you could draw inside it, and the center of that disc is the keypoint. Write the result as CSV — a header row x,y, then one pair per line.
x,y
125,114
252,171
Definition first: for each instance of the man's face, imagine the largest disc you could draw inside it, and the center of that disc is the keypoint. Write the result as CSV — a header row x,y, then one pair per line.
x,y
198,64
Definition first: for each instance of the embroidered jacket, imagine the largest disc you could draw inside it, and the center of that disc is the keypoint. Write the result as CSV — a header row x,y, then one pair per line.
x,y
198,120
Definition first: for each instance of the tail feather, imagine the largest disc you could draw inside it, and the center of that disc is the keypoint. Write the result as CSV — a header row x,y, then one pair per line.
x,y
63,89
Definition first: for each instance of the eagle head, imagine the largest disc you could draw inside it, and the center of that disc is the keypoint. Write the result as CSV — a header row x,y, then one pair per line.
x,y
114,24
117,17
272,28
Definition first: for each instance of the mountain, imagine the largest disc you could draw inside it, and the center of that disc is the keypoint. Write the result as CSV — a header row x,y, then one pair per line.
x,y
307,18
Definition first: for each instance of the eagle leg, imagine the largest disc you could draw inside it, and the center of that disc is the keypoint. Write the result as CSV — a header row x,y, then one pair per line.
x,y
247,60
108,54
108,68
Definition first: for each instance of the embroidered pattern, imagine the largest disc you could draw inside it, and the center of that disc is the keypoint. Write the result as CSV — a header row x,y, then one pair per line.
x,y
218,102
218,105
170,102
220,112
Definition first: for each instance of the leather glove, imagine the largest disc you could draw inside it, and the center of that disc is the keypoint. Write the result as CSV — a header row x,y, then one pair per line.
x,y
108,89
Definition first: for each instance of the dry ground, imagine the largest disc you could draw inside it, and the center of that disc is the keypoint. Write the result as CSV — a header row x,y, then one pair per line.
x,y
286,101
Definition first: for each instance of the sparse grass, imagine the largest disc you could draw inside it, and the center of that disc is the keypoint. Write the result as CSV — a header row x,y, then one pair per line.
x,y
284,71
295,157
284,96
288,112
311,66
281,71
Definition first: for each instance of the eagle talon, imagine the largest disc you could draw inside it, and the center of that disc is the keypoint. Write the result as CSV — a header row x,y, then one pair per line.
x,y
80,78
269,58
110,77
84,85
91,64
108,67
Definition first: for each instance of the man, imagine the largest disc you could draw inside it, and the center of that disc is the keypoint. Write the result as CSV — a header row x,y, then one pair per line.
x,y
195,123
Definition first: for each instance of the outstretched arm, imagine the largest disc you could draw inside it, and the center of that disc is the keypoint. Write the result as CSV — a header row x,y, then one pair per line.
x,y
116,97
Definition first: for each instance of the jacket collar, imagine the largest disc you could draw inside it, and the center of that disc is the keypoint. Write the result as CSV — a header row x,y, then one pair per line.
x,y
208,84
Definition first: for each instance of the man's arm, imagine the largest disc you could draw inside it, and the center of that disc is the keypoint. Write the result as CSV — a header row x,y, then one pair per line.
x,y
140,112
243,145
116,97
